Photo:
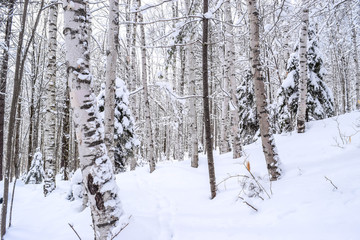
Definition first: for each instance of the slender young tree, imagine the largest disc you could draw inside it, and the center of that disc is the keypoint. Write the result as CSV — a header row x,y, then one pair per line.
x,y
230,75
205,75
267,139
96,167
113,45
303,68
148,128
3,78
50,141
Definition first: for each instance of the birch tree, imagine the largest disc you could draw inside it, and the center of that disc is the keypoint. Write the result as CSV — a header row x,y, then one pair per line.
x,y
50,158
303,68
96,167
267,139
113,45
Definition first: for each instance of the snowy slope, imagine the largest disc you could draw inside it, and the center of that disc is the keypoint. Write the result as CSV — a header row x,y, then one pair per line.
x,y
173,202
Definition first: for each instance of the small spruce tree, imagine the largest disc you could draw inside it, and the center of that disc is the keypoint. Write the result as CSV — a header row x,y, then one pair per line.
x,y
320,103
248,122
125,139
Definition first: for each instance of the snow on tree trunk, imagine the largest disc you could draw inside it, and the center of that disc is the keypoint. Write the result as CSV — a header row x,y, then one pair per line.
x,y
148,128
267,138
36,173
97,171
230,75
112,45
50,142
303,68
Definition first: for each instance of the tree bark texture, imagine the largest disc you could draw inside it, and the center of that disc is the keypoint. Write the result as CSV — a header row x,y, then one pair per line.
x,y
113,45
301,113
209,149
230,75
50,141
267,139
97,171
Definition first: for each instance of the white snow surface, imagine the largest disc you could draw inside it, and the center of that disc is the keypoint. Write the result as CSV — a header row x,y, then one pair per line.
x,y
173,202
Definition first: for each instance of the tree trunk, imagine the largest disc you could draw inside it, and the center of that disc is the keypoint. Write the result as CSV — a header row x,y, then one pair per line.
x,y
3,79
149,136
267,138
301,112
15,97
356,61
230,74
113,45
65,143
97,171
50,141
209,149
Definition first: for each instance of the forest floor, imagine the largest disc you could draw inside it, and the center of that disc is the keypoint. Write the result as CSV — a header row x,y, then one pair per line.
x,y
318,196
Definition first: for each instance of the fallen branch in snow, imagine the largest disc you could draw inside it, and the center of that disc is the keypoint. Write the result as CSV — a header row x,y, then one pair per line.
x,y
248,204
230,176
335,187
121,229
72,227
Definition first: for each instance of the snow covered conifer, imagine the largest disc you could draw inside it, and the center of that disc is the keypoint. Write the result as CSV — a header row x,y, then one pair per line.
x,y
125,139
319,103
248,122
36,173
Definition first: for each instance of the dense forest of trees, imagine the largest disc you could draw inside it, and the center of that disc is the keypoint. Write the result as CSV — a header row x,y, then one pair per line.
x,y
107,86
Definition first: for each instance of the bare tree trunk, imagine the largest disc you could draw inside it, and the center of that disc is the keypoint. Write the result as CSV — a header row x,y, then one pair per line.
x,y
230,74
50,141
113,45
357,71
3,79
148,128
301,113
267,138
15,97
65,143
209,149
97,171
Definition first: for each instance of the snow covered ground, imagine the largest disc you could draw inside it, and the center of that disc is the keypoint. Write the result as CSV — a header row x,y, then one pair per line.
x,y
173,202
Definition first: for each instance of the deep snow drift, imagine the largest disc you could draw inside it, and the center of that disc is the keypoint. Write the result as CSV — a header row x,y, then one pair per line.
x,y
173,202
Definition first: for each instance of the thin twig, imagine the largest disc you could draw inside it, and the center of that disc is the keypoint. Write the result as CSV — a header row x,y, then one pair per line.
x,y
122,228
72,227
331,183
257,182
254,208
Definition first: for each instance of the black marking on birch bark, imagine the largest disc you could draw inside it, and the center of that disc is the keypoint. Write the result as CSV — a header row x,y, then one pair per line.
x,y
99,201
93,188
72,31
95,143
86,106
91,119
90,133
107,223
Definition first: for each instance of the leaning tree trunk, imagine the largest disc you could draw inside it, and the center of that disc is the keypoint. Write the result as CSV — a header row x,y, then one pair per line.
x,y
301,113
149,136
3,78
50,141
97,171
267,138
11,125
230,74
209,149
113,45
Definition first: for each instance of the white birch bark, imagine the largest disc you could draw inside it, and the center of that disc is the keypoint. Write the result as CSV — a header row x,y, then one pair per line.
x,y
267,139
149,136
356,62
230,75
97,171
50,141
109,105
301,112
